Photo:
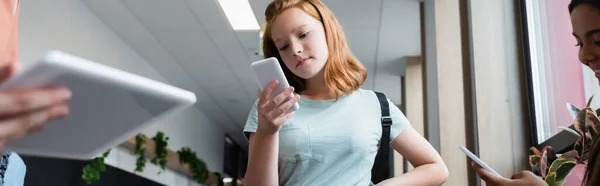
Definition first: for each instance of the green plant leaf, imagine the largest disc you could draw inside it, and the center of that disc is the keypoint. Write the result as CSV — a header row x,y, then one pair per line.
x,y
102,167
533,160
590,120
589,103
535,151
197,166
579,147
140,163
161,150
551,154
597,124
106,153
543,165
536,170
91,171
548,156
560,162
593,115
579,123
551,180
139,150
591,125
564,170
559,170
573,110
571,153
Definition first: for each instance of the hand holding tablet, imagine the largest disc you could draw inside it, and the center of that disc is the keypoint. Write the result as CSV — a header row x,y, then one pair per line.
x,y
26,111
107,106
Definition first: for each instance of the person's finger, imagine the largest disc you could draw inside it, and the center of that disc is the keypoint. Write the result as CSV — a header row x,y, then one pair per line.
x,y
287,93
55,112
18,126
9,70
516,176
5,72
283,118
20,102
487,176
284,107
287,116
265,95
521,174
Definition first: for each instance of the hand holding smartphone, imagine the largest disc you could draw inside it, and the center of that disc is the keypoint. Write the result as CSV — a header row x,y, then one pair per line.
x,y
267,70
478,161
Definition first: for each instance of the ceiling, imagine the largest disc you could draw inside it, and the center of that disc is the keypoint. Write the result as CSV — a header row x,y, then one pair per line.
x,y
191,44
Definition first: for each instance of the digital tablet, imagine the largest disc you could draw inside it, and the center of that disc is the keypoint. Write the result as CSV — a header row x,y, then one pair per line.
x,y
108,106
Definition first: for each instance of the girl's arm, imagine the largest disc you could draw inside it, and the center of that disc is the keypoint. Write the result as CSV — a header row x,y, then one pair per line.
x,y
429,166
262,159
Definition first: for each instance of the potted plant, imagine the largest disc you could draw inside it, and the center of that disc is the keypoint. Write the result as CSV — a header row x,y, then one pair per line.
x,y
92,171
553,168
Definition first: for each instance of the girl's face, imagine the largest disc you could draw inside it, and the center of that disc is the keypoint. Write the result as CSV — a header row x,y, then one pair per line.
x,y
585,20
301,42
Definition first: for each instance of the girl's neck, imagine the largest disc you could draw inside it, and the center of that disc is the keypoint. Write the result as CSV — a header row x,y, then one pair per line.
x,y
316,89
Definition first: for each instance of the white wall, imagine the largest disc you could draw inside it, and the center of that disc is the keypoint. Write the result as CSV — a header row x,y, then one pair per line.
x,y
68,25
502,135
590,83
400,23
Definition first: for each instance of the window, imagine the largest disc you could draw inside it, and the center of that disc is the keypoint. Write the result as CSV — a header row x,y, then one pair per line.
x,y
555,75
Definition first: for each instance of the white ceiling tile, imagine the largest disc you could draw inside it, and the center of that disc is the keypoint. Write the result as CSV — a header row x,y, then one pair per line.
x,y
199,55
236,109
114,14
356,14
240,111
210,14
250,40
253,55
230,99
225,87
161,14
258,7
174,72
228,43
191,47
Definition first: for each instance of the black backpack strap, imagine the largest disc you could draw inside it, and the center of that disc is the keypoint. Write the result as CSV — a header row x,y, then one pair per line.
x,y
382,168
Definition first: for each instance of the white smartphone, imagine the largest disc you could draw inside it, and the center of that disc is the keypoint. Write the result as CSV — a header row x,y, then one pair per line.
x,y
478,161
267,70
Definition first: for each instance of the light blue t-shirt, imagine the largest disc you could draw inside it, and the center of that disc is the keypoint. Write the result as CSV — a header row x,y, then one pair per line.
x,y
15,171
328,142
